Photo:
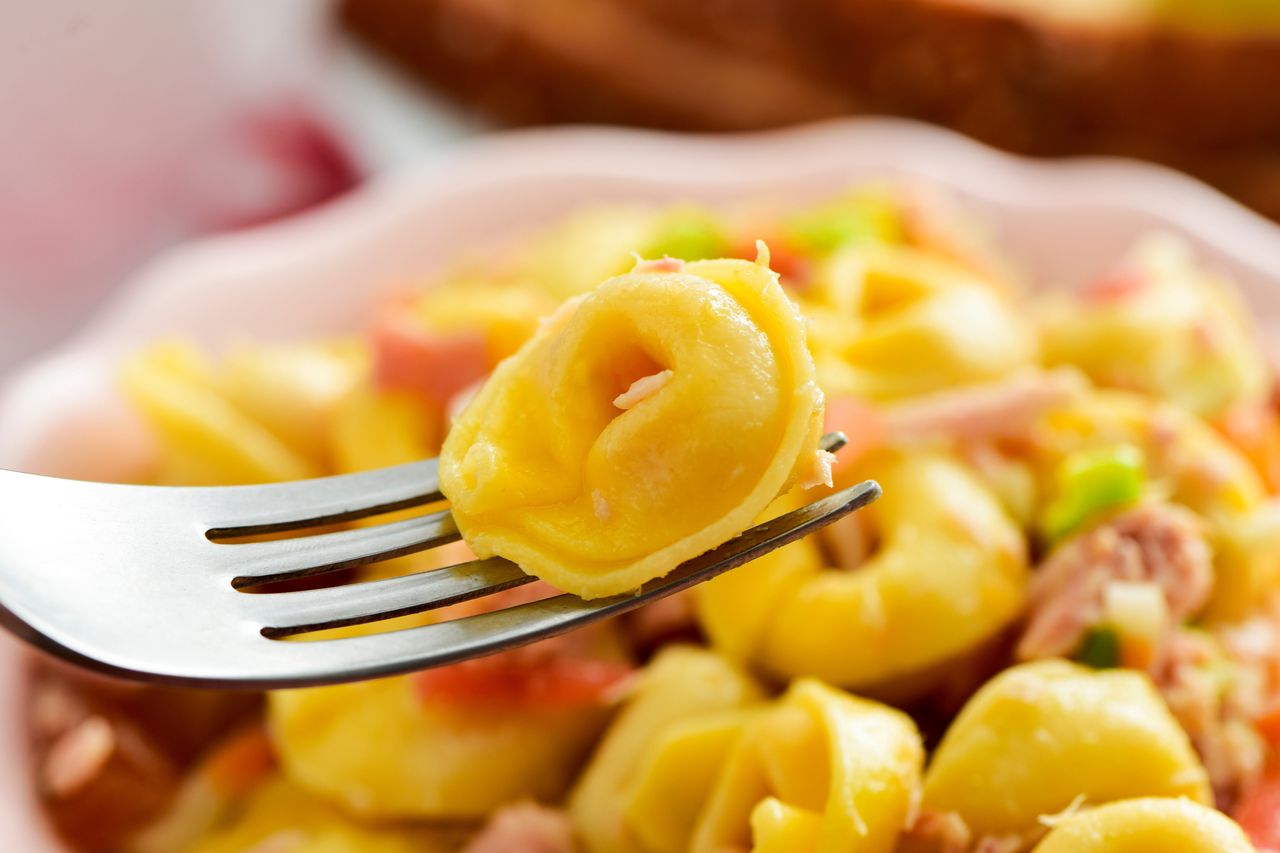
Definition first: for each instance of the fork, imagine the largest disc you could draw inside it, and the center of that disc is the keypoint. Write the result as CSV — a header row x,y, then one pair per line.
x,y
147,582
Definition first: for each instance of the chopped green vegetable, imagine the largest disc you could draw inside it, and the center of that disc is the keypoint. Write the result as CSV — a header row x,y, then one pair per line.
x,y
1100,648
687,233
864,217
1091,482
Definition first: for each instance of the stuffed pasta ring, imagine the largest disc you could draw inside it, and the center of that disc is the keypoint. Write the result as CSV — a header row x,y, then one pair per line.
x,y
642,425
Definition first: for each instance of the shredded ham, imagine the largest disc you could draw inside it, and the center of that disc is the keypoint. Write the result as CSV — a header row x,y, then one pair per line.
x,y
1160,543
1217,717
524,828
643,388
993,410
819,471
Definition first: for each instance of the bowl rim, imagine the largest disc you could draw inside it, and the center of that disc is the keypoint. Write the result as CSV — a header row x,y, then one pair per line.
x,y
485,165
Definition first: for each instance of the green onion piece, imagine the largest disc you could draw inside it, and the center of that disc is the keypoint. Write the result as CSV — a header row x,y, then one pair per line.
x,y
1100,648
1091,482
867,217
689,234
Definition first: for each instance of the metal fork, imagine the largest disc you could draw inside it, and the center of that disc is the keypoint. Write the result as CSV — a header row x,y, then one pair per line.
x,y
142,581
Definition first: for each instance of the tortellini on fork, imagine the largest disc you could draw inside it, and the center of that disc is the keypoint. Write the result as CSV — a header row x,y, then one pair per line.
x,y
642,425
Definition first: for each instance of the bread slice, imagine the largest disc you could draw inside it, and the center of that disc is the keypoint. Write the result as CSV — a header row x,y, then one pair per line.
x,y
1184,84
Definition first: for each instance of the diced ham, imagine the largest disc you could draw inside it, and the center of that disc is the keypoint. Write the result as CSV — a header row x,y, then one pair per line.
x,y
659,265
989,411
1119,284
935,832
524,828
1220,718
642,389
1155,542
438,365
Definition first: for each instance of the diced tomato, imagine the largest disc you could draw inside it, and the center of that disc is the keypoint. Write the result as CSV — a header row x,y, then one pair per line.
x,y
1255,430
407,356
794,269
1116,286
560,673
533,677
861,423
1258,812
1268,724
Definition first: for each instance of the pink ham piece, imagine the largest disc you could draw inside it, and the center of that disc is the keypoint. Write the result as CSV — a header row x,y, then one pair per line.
x,y
992,410
984,412
1160,543
436,365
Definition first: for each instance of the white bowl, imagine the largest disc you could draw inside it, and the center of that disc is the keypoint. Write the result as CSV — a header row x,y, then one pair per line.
x,y
318,273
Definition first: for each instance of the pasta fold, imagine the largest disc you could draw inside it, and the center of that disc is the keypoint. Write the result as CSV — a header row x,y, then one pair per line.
x,y
641,426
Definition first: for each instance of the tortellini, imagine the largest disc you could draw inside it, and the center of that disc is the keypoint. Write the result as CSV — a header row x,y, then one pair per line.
x,y
1041,735
381,749
949,572
640,427
892,321
280,816
648,779
1161,325
697,762
819,772
1146,825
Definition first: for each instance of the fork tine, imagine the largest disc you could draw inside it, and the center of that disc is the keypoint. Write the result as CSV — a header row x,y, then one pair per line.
x,y
283,559
287,613
274,507
449,642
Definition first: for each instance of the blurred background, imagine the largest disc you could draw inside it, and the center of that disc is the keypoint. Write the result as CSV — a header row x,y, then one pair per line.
x,y
129,126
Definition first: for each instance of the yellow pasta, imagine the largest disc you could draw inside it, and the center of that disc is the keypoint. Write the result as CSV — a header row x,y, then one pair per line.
x,y
648,779
1145,826
642,426
1200,469
381,749
1039,736
891,321
819,772
204,438
1124,438
280,816
1161,325
949,573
